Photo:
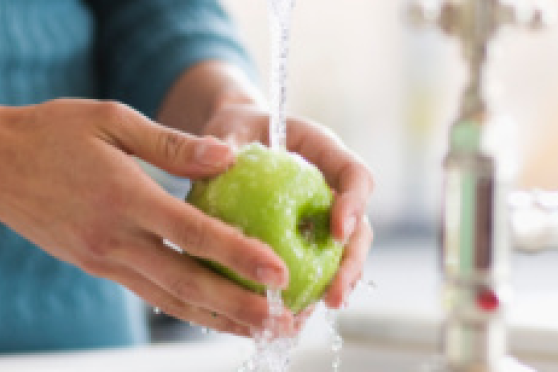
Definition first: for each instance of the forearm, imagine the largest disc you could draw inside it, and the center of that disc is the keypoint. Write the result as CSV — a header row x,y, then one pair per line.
x,y
201,91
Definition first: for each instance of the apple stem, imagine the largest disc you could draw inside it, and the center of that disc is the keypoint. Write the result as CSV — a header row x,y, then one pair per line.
x,y
306,228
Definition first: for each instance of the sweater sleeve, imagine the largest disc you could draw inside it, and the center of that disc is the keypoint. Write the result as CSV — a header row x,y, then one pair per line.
x,y
144,45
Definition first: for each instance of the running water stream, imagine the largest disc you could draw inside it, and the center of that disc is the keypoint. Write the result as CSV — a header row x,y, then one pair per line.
x,y
280,12
273,352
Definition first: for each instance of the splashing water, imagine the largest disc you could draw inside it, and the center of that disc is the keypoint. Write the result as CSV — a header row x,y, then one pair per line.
x,y
280,20
273,354
336,339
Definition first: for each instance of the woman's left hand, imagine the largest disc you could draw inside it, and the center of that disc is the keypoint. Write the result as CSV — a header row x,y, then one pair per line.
x,y
347,175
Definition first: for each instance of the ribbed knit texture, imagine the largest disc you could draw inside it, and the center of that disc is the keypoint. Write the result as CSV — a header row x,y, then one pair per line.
x,y
45,51
143,45
129,50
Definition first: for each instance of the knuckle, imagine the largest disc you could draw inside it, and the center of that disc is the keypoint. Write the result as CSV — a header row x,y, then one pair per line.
x,y
244,263
172,145
184,288
111,110
97,247
363,172
251,311
194,238
360,169
241,251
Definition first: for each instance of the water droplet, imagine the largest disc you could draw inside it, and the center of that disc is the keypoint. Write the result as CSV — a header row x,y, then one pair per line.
x,y
369,287
336,364
272,350
336,339
156,311
337,343
172,246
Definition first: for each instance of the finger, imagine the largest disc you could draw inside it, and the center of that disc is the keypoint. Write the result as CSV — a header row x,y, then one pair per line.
x,y
344,171
185,278
350,202
322,147
168,304
205,237
350,271
174,151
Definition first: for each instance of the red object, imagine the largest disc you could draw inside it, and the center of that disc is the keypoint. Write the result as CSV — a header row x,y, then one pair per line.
x,y
487,300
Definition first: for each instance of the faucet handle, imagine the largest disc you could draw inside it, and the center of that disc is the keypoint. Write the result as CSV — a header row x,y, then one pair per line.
x,y
534,220
534,15
450,15
433,12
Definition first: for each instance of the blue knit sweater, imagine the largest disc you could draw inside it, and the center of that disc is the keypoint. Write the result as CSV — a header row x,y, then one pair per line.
x,y
129,50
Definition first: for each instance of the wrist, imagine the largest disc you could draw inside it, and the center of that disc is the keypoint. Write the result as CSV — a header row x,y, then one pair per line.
x,y
238,90
204,90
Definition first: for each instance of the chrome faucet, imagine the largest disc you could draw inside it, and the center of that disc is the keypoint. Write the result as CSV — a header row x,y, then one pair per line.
x,y
475,234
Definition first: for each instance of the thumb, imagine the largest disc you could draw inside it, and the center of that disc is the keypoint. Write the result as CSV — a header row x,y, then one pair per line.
x,y
176,152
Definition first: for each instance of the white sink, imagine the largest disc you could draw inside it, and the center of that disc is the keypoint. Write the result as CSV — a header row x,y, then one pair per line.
x,y
224,357
206,357
213,357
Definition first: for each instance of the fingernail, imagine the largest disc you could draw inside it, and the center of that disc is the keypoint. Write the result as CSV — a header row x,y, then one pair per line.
x,y
212,153
348,228
271,277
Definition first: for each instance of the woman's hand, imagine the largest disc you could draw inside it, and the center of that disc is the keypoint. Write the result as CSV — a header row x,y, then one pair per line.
x,y
71,185
350,179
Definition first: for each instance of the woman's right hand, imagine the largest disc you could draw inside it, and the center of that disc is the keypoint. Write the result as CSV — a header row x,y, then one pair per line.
x,y
71,185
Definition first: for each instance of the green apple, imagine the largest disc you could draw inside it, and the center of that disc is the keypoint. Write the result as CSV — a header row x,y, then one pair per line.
x,y
283,200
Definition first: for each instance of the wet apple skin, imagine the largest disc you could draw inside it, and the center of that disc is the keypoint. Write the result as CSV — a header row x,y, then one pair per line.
x,y
283,200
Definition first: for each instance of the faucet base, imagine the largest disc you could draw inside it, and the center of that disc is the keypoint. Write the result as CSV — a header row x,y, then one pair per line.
x,y
507,364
